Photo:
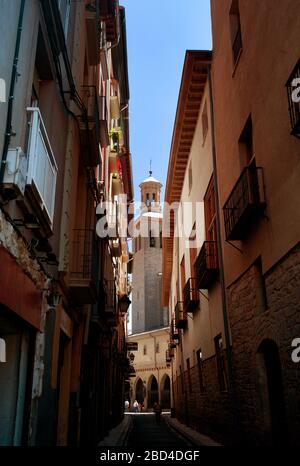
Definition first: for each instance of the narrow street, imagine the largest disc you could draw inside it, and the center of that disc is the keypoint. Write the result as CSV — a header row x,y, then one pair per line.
x,y
146,433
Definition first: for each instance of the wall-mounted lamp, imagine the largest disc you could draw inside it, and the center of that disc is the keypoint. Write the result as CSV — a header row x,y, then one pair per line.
x,y
43,245
30,222
53,296
124,304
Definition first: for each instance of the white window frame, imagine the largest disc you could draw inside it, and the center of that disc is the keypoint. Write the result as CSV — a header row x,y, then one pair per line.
x,y
38,134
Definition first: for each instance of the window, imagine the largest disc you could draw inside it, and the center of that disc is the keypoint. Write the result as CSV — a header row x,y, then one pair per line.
x,y
188,365
190,176
200,370
235,30
260,287
145,350
193,252
42,168
153,199
204,122
151,240
210,212
182,275
157,348
147,200
221,366
246,144
64,8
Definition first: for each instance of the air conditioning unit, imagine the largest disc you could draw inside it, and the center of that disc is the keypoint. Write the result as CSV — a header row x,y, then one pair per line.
x,y
14,180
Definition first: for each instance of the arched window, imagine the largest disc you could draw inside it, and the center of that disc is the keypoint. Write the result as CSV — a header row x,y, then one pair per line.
x,y
151,240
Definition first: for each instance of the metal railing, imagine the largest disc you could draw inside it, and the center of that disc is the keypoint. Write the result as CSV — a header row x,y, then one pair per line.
x,y
244,203
90,100
174,331
85,256
190,295
180,315
207,264
294,100
109,297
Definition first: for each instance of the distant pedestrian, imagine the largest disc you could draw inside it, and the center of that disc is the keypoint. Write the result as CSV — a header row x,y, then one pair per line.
x,y
126,405
157,411
135,407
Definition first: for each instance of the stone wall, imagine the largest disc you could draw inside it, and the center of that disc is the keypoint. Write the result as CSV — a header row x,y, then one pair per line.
x,y
207,411
250,326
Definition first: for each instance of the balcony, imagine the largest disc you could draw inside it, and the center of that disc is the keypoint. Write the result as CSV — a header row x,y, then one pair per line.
x,y
92,32
42,167
104,136
168,356
180,316
293,88
245,204
84,267
90,128
174,332
109,14
190,295
108,302
207,265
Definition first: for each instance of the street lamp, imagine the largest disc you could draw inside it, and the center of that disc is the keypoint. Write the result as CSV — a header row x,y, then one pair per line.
x,y
124,304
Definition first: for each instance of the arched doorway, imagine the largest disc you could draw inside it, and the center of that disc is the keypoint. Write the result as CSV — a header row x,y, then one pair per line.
x,y
271,392
152,391
165,392
140,391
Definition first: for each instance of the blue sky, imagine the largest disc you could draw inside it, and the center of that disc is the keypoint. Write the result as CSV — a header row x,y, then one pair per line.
x,y
158,34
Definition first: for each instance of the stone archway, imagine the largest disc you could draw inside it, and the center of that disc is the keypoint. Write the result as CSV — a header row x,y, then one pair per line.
x,y
140,392
165,392
152,391
270,390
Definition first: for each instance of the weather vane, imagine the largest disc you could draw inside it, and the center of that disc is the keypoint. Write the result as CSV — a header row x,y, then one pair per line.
x,y
150,171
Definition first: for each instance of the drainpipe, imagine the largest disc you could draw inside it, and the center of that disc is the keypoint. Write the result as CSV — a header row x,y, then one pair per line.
x,y
8,129
232,391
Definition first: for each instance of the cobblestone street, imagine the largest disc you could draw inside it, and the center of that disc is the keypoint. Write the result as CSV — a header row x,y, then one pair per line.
x,y
146,433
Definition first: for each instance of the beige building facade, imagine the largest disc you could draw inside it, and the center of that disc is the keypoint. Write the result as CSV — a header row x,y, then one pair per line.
x,y
152,381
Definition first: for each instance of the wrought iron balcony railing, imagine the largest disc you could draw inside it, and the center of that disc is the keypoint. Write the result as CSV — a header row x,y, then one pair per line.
x,y
293,91
207,264
180,315
245,204
168,356
190,295
174,331
84,267
90,127
104,135
107,305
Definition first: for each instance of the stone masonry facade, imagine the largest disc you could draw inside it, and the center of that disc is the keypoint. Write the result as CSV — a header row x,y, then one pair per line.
x,y
250,326
207,411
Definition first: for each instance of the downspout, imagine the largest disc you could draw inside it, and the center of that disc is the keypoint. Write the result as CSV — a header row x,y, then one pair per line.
x,y
8,129
232,391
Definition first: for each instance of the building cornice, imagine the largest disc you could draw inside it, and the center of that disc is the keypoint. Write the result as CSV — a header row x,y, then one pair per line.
x,y
194,77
